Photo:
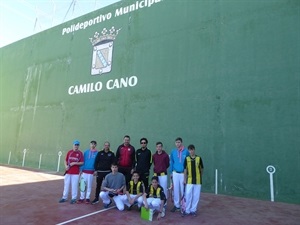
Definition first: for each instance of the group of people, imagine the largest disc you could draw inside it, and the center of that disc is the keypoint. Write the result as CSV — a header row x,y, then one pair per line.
x,y
124,177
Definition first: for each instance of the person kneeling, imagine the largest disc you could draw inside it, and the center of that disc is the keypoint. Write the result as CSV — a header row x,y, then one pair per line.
x,y
112,187
134,193
155,198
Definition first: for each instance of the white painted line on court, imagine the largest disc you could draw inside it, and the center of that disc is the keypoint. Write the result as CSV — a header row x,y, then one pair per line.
x,y
90,214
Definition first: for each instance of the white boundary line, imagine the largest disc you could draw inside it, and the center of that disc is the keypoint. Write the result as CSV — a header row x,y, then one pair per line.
x,y
90,214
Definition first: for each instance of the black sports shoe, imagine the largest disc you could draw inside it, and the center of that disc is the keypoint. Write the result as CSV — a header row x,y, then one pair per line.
x,y
107,205
95,201
175,209
62,200
193,214
131,206
184,214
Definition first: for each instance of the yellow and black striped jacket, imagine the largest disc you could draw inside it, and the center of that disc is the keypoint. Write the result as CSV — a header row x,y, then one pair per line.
x,y
193,167
135,189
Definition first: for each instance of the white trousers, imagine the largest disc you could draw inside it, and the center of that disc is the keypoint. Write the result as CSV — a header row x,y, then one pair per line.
x,y
163,181
119,199
88,178
154,203
139,200
178,187
192,197
70,179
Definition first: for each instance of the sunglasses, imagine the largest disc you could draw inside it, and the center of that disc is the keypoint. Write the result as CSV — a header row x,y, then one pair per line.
x,y
143,143
76,144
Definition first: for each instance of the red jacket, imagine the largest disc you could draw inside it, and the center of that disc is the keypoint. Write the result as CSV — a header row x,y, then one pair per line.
x,y
126,156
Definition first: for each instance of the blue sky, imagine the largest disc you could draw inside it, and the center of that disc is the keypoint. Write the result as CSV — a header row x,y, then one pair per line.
x,y
23,18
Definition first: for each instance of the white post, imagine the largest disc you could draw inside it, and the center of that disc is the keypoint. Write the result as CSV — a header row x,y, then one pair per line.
x,y
271,170
24,154
216,182
40,161
9,158
58,162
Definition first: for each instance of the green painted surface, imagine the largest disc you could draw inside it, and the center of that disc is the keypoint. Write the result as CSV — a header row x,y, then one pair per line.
x,y
223,75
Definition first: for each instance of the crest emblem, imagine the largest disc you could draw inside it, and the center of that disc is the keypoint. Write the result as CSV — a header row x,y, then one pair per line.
x,y
103,51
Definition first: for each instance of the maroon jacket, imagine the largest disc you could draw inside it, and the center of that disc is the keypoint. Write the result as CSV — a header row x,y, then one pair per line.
x,y
125,156
161,162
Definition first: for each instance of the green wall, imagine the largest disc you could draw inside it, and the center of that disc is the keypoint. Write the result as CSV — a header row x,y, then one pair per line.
x,y
223,75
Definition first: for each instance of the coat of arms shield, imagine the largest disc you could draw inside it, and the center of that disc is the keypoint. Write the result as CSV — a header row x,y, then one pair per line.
x,y
102,58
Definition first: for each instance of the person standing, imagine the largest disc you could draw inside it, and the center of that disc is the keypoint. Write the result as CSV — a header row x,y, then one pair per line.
x,y
143,161
193,171
125,157
74,159
87,172
102,166
113,187
161,163
177,158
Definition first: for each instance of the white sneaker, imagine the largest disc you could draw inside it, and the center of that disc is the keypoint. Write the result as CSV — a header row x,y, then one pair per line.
x,y
163,212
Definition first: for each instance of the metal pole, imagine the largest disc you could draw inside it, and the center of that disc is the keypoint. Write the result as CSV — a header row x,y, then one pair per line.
x,y
9,158
40,161
216,182
271,170
58,162
24,155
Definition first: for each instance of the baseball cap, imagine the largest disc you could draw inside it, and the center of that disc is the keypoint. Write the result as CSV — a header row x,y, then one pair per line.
x,y
76,142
